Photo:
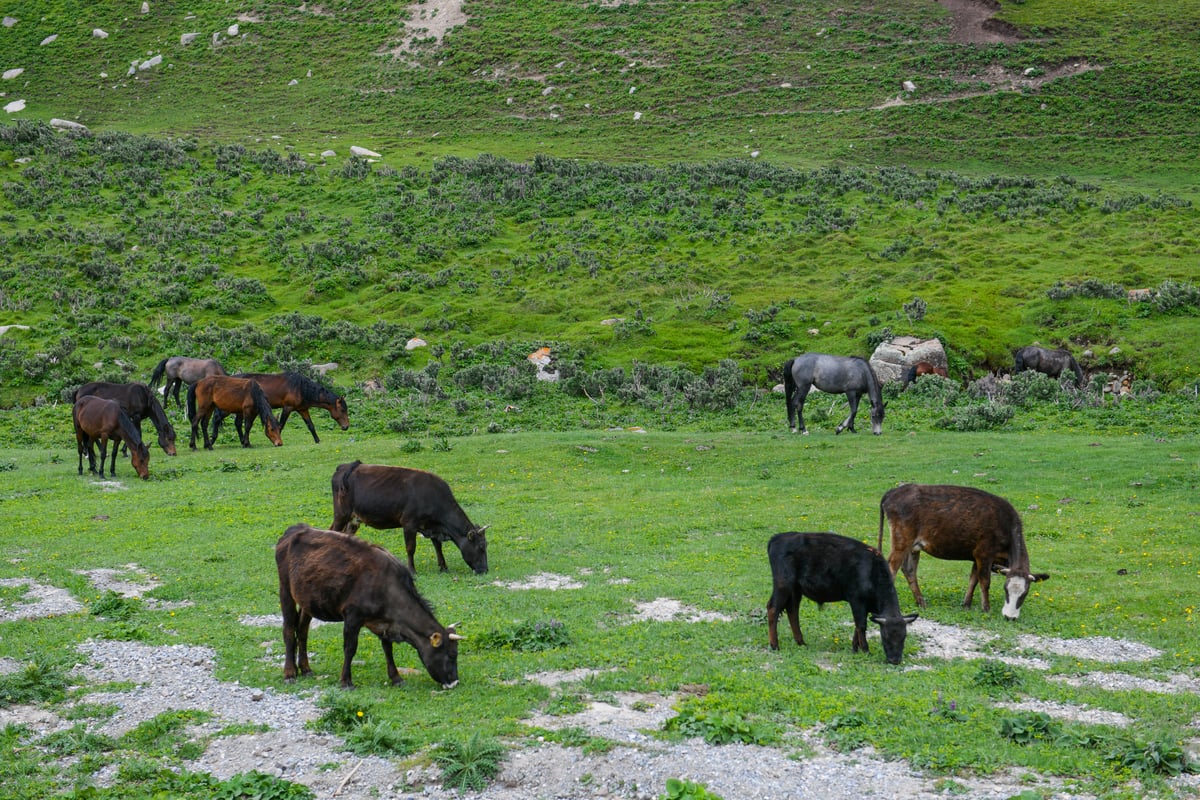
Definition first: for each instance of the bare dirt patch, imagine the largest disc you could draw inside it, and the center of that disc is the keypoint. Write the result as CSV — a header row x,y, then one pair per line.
x,y
542,580
430,19
974,22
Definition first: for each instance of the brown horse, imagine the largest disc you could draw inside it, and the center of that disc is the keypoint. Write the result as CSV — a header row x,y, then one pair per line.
x,y
180,370
139,402
291,391
240,396
97,419
920,368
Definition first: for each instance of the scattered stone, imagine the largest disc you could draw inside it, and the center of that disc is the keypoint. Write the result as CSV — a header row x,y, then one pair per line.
x,y
542,580
666,609
9,74
48,39
328,153
97,33
188,38
10,21
15,106
233,30
909,86
637,115
364,152
145,8
67,124
322,369
38,602
6,328
150,62
293,82
414,343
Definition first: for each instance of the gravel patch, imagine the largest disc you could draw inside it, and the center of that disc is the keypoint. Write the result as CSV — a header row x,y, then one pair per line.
x,y
1095,648
39,601
664,609
1090,716
543,580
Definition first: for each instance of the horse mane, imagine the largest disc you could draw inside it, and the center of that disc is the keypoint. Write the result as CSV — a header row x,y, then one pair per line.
x,y
310,391
263,406
130,431
158,416
873,390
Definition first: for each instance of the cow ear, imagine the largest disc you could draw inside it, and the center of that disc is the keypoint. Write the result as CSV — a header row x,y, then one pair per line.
x,y
435,639
1039,576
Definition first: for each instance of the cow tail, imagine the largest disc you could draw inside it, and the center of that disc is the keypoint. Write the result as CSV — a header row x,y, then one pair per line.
x,y
158,373
341,481
789,388
879,544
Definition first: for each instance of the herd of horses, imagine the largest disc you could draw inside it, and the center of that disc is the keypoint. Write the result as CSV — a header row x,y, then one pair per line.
x,y
105,413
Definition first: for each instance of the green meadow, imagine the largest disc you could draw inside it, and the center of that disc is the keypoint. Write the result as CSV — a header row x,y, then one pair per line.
x,y
674,198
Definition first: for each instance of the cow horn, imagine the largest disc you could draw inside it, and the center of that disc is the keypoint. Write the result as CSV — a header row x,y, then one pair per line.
x,y
454,637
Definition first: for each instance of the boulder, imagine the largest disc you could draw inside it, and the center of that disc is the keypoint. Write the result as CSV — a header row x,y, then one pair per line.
x,y
98,33
15,106
48,39
188,38
67,124
364,152
890,358
9,74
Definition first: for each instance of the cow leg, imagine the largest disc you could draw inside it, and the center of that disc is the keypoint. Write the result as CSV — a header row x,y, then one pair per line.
x,y
793,615
971,583
410,547
302,641
909,567
859,642
304,415
437,545
772,624
848,422
393,673
350,629
291,618
982,573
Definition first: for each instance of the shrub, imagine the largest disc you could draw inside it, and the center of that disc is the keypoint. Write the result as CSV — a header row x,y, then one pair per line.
x,y
528,637
468,764
1159,756
686,790
715,727
985,417
37,683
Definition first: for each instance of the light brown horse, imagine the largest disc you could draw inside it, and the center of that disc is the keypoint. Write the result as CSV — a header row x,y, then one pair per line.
x,y
922,368
240,396
97,419
291,391
182,369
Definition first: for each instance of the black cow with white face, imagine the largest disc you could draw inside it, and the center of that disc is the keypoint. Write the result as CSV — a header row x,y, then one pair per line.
x,y
828,568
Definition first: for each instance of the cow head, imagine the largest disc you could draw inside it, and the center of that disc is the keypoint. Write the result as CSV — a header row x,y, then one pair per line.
x,y
892,632
474,549
1016,589
439,654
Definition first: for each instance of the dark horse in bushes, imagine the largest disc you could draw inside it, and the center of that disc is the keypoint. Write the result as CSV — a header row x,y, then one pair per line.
x,y
98,420
291,391
848,375
914,371
181,370
240,396
139,402
1048,362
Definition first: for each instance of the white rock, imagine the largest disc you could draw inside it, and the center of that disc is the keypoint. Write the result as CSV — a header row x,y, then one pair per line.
x,y
754,154
414,343
1030,70
6,328
632,89
150,62
233,30
15,106
216,37
308,74
637,115
547,90
10,21
145,8
293,82
188,38
9,74
909,86
49,39
97,33
362,151
70,124
329,154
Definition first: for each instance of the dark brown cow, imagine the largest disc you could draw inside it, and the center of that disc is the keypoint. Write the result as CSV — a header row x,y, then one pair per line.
x,y
959,523
412,499
827,568
340,578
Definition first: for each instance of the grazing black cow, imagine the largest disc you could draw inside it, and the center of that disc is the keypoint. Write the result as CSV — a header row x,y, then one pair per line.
x,y
340,578
1048,362
827,568
959,523
412,499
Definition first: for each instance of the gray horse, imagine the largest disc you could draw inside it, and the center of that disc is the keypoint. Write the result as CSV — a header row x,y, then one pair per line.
x,y
848,375
1048,362
183,371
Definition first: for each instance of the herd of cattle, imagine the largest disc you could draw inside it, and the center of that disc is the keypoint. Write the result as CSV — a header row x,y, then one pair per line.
x,y
334,576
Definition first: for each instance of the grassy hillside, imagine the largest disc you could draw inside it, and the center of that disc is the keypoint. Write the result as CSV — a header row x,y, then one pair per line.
x,y
780,191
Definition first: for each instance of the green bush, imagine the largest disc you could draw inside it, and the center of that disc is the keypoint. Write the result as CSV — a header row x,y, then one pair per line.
x,y
678,789
469,764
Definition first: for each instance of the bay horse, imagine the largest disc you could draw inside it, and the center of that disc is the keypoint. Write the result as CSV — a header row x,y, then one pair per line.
x,y
848,375
180,370
920,368
1047,362
97,419
292,391
240,396
139,402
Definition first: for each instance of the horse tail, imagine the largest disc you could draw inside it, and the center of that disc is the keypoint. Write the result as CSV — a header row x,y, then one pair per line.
x,y
263,406
789,387
191,402
910,375
158,373
1078,370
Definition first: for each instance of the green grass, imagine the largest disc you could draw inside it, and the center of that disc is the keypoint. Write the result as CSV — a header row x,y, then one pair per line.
x,y
1109,518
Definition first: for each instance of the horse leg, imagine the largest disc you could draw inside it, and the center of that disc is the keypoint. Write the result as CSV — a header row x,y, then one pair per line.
x,y
848,422
248,423
801,394
116,448
203,420
195,422
304,415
